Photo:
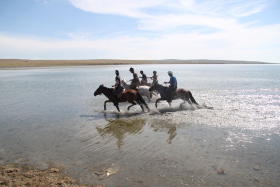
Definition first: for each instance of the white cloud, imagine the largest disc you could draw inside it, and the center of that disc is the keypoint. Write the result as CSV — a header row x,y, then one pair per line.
x,y
228,40
244,44
169,13
169,21
130,8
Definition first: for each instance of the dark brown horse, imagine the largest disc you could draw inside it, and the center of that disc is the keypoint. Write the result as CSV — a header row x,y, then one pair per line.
x,y
183,94
130,96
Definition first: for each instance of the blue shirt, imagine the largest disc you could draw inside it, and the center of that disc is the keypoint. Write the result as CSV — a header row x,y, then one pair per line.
x,y
173,80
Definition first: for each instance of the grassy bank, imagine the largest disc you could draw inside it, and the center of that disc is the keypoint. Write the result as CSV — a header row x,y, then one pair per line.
x,y
15,63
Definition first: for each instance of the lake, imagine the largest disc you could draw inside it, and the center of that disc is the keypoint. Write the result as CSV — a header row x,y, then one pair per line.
x,y
50,118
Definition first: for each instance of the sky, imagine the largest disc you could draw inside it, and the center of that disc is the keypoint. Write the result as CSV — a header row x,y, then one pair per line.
x,y
140,29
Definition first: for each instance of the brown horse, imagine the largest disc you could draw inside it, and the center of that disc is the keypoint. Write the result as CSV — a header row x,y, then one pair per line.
x,y
183,94
130,96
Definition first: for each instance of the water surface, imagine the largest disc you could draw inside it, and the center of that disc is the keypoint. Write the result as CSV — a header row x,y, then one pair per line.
x,y
50,118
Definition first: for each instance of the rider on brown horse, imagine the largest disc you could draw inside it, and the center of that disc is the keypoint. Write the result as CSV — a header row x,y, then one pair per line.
x,y
172,87
118,88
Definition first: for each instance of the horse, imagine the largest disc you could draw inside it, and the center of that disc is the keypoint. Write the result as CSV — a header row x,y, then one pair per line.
x,y
183,94
129,95
143,90
145,84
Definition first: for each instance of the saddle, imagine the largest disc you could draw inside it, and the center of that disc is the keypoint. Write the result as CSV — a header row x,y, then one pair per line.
x,y
174,93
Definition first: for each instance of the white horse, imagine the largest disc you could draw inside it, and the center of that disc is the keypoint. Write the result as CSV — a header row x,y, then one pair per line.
x,y
143,90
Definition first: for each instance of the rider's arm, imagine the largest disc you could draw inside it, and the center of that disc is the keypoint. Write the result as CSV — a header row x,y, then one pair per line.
x,y
175,85
153,77
117,83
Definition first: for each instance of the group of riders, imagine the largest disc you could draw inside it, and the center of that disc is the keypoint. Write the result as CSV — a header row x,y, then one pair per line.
x,y
135,83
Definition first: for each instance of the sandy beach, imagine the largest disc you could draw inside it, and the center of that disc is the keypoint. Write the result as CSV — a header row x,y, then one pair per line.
x,y
17,175
15,63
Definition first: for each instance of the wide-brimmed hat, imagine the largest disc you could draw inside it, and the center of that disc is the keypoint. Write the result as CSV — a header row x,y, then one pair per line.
x,y
170,72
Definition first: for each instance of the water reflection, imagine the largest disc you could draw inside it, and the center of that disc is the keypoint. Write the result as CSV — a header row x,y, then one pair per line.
x,y
119,128
169,128
172,133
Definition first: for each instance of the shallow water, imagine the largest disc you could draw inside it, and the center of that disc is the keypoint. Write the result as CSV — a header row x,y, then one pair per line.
x,y
50,118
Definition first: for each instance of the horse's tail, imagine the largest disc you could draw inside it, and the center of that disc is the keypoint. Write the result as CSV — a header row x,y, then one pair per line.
x,y
192,99
142,100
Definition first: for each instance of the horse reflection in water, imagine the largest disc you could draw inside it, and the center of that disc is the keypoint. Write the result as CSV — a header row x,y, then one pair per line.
x,y
130,96
120,128
163,126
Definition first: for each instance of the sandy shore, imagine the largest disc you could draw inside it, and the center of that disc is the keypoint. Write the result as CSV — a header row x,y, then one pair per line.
x,y
14,63
16,175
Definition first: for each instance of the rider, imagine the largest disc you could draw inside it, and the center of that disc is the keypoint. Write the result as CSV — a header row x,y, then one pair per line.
x,y
135,81
154,77
172,87
118,87
144,78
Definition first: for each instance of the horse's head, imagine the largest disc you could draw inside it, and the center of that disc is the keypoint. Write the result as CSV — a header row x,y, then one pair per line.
x,y
154,87
123,81
99,90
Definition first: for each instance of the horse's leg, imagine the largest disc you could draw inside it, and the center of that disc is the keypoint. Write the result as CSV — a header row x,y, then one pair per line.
x,y
147,107
105,104
154,93
142,102
141,106
118,108
158,101
149,96
185,98
133,103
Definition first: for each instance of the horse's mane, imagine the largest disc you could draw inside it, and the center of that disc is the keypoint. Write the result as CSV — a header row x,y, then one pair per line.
x,y
111,89
161,85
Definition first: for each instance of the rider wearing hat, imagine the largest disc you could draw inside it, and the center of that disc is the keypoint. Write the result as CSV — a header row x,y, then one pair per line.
x,y
118,87
135,81
173,85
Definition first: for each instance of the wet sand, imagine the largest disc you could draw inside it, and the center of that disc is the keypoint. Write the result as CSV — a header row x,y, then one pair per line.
x,y
15,63
16,175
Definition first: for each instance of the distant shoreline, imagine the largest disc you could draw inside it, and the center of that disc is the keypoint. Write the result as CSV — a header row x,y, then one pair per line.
x,y
17,63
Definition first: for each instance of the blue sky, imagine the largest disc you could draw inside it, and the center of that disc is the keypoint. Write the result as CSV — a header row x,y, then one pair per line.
x,y
140,29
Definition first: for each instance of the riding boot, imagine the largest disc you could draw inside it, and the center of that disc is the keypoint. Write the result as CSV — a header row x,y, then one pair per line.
x,y
169,95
